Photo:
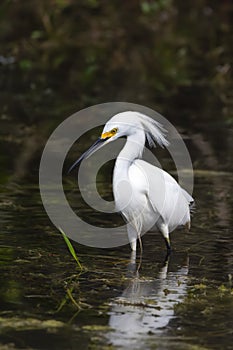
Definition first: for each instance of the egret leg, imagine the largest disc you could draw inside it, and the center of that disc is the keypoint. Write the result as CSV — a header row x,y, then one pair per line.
x,y
133,257
168,244
131,266
164,230
132,235
164,270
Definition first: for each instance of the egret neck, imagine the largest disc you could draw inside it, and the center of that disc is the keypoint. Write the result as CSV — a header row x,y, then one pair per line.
x,y
131,151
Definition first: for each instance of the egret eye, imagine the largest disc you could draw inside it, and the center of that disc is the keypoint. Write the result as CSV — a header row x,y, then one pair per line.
x,y
114,130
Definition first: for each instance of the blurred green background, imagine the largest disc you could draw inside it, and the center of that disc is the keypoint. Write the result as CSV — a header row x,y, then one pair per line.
x,y
59,56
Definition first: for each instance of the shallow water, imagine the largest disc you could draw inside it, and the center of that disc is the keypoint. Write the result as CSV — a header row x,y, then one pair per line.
x,y
184,302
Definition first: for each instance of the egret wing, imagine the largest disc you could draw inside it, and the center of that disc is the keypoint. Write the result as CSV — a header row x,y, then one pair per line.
x,y
166,196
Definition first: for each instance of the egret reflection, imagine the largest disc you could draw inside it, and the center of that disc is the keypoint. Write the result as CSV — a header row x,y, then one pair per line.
x,y
146,307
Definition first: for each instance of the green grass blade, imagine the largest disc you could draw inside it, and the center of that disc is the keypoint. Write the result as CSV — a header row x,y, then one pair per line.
x,y
71,248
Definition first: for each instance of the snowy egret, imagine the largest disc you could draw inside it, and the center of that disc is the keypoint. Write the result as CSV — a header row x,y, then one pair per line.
x,y
145,195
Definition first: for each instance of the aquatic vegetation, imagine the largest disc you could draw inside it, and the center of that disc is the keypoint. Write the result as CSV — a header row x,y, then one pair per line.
x,y
71,249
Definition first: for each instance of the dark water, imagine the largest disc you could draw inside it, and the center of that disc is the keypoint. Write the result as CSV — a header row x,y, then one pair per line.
x,y
58,57
185,302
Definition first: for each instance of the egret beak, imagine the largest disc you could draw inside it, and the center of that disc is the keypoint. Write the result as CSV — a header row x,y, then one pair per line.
x,y
97,145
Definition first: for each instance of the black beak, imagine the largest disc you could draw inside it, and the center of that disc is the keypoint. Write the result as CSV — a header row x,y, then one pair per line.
x,y
98,144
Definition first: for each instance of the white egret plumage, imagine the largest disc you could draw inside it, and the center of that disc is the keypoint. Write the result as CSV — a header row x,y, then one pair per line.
x,y
145,195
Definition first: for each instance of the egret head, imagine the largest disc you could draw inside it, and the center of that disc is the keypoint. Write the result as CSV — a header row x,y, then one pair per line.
x,y
127,124
121,124
130,123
